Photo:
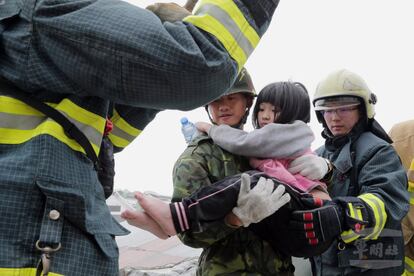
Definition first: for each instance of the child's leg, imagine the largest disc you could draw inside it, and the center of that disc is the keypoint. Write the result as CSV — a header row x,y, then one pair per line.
x,y
207,204
142,220
159,211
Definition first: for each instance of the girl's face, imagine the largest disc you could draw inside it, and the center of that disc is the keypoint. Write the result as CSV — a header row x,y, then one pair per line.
x,y
267,114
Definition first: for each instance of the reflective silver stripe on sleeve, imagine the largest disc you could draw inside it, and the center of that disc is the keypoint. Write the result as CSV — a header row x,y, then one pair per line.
x,y
122,134
24,122
229,24
28,122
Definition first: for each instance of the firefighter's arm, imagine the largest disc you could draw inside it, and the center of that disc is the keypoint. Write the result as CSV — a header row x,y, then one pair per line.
x,y
347,217
408,221
127,123
382,197
126,55
407,225
368,211
383,191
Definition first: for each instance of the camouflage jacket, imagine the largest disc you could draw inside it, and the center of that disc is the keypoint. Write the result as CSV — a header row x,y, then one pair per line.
x,y
226,251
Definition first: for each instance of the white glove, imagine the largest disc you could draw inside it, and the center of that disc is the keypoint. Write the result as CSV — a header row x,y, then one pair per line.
x,y
310,166
260,202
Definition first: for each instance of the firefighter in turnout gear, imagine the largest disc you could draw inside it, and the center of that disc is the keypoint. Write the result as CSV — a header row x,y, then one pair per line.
x,y
402,135
367,185
89,60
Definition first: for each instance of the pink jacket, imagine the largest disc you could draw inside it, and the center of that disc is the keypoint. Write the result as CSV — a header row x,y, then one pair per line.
x,y
277,144
277,168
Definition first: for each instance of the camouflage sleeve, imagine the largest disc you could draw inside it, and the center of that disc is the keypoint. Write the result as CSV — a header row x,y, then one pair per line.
x,y
191,172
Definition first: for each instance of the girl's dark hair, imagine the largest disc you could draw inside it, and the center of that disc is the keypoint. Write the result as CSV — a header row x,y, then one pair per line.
x,y
290,98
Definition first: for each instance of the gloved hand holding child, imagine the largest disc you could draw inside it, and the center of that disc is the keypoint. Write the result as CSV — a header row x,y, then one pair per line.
x,y
327,220
310,166
253,205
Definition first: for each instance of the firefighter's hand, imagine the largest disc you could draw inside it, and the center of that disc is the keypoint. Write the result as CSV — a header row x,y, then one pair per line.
x,y
320,224
255,204
189,5
327,219
310,166
170,12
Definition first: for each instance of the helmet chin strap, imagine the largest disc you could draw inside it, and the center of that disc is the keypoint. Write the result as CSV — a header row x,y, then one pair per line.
x,y
243,119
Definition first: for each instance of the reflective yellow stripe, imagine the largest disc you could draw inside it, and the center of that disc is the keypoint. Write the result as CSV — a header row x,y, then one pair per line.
x,y
122,133
27,271
211,25
410,175
354,212
20,123
117,141
411,191
378,208
226,22
234,20
18,136
120,123
81,115
409,266
349,235
412,167
13,106
411,187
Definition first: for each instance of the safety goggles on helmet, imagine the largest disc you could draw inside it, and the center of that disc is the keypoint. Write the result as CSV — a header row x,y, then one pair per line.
x,y
340,111
336,103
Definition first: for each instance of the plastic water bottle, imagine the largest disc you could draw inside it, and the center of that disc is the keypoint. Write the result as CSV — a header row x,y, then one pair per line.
x,y
188,129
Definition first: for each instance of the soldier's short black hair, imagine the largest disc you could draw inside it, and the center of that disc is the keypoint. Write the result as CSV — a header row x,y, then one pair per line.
x,y
291,99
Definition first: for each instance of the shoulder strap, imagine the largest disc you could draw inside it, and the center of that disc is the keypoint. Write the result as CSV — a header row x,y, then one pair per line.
x,y
353,188
71,129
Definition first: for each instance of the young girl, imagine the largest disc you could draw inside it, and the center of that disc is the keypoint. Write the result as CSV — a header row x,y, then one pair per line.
x,y
279,107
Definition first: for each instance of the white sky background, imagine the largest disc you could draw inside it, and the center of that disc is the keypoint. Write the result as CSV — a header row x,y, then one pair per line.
x,y
305,41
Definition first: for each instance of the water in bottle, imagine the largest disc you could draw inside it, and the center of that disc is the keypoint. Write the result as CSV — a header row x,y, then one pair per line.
x,y
188,129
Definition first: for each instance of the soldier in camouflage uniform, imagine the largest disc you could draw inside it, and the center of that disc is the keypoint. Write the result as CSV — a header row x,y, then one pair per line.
x,y
226,250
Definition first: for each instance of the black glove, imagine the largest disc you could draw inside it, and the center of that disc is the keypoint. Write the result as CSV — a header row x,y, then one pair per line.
x,y
327,220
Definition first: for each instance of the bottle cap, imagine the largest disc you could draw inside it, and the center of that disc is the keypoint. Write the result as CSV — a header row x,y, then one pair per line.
x,y
184,120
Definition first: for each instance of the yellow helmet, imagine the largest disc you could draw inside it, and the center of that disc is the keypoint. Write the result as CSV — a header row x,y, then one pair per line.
x,y
343,85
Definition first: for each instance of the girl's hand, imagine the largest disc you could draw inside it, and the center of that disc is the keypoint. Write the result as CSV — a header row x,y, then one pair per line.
x,y
203,126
